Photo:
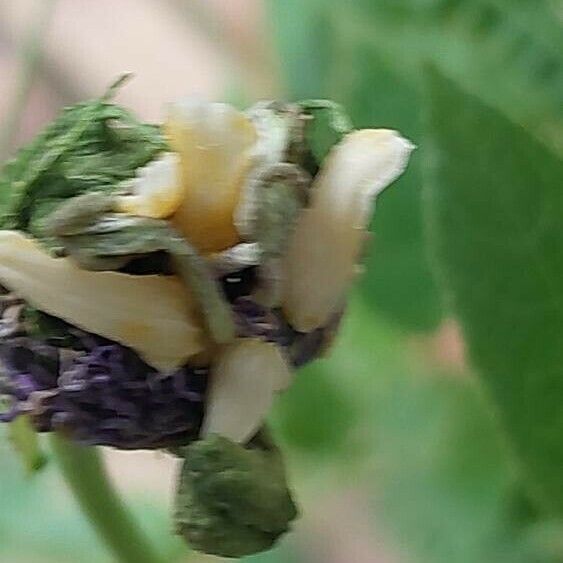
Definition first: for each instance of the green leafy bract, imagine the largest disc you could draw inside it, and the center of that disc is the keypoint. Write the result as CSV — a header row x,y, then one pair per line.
x,y
95,145
92,145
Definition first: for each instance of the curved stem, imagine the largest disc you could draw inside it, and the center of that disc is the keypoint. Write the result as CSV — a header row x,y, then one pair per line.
x,y
85,475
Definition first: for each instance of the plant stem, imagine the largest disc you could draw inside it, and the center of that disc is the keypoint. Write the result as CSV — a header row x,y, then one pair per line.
x,y
30,59
86,477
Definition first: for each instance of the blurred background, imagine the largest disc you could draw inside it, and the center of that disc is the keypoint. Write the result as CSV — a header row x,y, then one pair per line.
x,y
393,444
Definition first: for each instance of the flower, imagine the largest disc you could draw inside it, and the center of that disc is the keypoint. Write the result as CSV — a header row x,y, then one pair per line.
x,y
146,372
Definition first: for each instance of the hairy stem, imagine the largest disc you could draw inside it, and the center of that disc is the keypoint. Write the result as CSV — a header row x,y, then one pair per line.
x,y
86,477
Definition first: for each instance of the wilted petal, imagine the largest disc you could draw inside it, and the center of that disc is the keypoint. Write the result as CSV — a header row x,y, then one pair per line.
x,y
327,241
154,315
215,143
156,190
242,388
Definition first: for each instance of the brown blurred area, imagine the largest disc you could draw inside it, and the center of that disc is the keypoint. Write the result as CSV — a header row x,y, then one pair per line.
x,y
174,48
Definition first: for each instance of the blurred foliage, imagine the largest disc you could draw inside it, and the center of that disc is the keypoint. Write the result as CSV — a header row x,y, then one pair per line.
x,y
325,433
497,234
428,446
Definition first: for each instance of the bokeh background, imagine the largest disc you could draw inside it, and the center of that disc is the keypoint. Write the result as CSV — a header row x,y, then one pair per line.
x,y
394,446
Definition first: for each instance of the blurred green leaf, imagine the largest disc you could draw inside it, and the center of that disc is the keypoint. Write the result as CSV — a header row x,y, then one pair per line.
x,y
398,279
303,36
26,443
496,204
440,474
369,56
282,553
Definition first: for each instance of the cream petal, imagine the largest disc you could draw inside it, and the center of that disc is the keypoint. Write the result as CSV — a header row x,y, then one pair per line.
x,y
242,387
327,242
216,144
152,314
156,189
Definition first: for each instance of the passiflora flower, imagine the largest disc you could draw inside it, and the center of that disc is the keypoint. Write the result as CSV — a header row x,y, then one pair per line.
x,y
167,287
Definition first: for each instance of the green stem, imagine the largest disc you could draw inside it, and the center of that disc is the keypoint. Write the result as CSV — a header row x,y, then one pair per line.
x,y
30,59
85,475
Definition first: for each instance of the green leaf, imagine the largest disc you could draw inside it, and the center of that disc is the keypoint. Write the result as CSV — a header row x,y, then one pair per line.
x,y
302,36
496,206
439,475
26,443
443,479
398,281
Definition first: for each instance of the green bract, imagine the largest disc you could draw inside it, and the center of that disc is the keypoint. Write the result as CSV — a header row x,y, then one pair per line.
x,y
93,145
233,501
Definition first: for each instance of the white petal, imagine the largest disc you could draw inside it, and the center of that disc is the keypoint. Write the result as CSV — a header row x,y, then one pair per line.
x,y
154,315
215,143
327,242
242,388
156,189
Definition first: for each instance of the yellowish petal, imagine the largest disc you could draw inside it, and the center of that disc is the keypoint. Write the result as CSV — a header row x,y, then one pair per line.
x,y
156,190
243,384
327,242
152,314
215,143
